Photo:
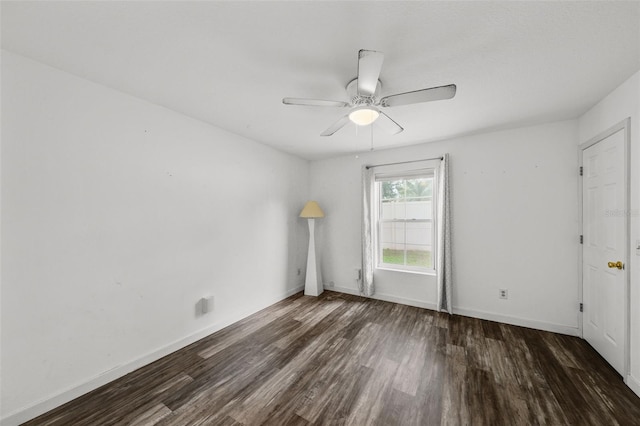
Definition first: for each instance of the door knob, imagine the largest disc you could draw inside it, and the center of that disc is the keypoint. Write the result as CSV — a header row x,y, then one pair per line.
x,y
617,264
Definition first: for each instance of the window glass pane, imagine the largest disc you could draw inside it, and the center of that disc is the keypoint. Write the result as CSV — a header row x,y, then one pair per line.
x,y
406,221
418,209
418,233
392,189
419,188
419,256
392,256
393,242
394,210
419,242
412,199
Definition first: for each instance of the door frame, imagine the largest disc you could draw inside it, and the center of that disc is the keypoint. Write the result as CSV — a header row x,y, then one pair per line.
x,y
624,125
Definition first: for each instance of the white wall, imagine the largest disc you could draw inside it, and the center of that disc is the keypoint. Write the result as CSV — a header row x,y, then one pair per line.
x,y
114,227
515,225
624,102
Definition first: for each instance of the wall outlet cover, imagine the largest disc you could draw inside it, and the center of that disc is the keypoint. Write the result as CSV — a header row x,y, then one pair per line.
x,y
206,304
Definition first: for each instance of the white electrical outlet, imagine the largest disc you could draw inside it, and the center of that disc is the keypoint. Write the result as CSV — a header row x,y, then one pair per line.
x,y
503,293
206,305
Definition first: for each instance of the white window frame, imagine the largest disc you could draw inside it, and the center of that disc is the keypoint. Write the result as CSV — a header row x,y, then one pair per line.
x,y
427,168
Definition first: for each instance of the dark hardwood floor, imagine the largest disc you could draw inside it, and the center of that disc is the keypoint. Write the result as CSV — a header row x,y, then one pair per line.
x,y
341,359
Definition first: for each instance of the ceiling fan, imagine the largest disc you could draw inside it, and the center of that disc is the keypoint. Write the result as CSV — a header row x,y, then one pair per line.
x,y
364,90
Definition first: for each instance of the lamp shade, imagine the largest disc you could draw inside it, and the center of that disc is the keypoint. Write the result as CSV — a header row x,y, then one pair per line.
x,y
311,210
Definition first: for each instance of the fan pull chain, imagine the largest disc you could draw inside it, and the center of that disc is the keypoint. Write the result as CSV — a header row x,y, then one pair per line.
x,y
371,125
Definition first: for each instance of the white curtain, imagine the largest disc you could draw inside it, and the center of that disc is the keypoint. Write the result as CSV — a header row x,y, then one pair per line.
x,y
366,283
443,248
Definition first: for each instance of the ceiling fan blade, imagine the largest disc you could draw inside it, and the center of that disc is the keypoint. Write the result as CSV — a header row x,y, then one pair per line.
x,y
388,124
336,126
313,102
418,96
369,66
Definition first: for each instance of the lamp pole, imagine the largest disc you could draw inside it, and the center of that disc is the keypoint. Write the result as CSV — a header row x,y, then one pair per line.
x,y
313,281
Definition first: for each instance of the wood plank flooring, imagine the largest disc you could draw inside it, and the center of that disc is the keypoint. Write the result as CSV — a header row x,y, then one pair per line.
x,y
341,359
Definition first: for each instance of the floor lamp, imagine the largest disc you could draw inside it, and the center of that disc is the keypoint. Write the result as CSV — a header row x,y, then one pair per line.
x,y
313,281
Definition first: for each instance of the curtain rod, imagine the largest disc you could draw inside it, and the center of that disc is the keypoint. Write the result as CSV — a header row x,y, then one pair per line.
x,y
404,162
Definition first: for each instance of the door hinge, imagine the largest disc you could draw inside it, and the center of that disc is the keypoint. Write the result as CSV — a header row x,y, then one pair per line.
x,y
581,307
581,170
581,239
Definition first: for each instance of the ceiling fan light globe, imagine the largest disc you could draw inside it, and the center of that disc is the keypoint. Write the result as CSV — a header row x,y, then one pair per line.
x,y
364,116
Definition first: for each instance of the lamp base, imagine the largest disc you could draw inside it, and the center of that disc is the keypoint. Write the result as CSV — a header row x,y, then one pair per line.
x,y
313,281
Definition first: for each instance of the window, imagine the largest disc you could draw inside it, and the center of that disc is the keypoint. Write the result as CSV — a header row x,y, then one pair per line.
x,y
405,220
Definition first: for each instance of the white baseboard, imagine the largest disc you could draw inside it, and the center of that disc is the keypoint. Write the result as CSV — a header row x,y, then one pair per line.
x,y
522,322
538,325
386,298
47,404
633,383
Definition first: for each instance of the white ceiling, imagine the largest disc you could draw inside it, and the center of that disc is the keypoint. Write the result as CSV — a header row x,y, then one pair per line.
x,y
231,63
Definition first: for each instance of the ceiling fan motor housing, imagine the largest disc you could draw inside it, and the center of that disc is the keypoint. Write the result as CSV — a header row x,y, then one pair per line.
x,y
356,99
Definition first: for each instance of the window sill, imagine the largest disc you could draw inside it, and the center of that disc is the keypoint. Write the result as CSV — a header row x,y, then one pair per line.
x,y
406,271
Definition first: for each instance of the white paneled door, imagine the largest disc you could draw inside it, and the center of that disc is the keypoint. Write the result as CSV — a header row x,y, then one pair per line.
x,y
604,215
